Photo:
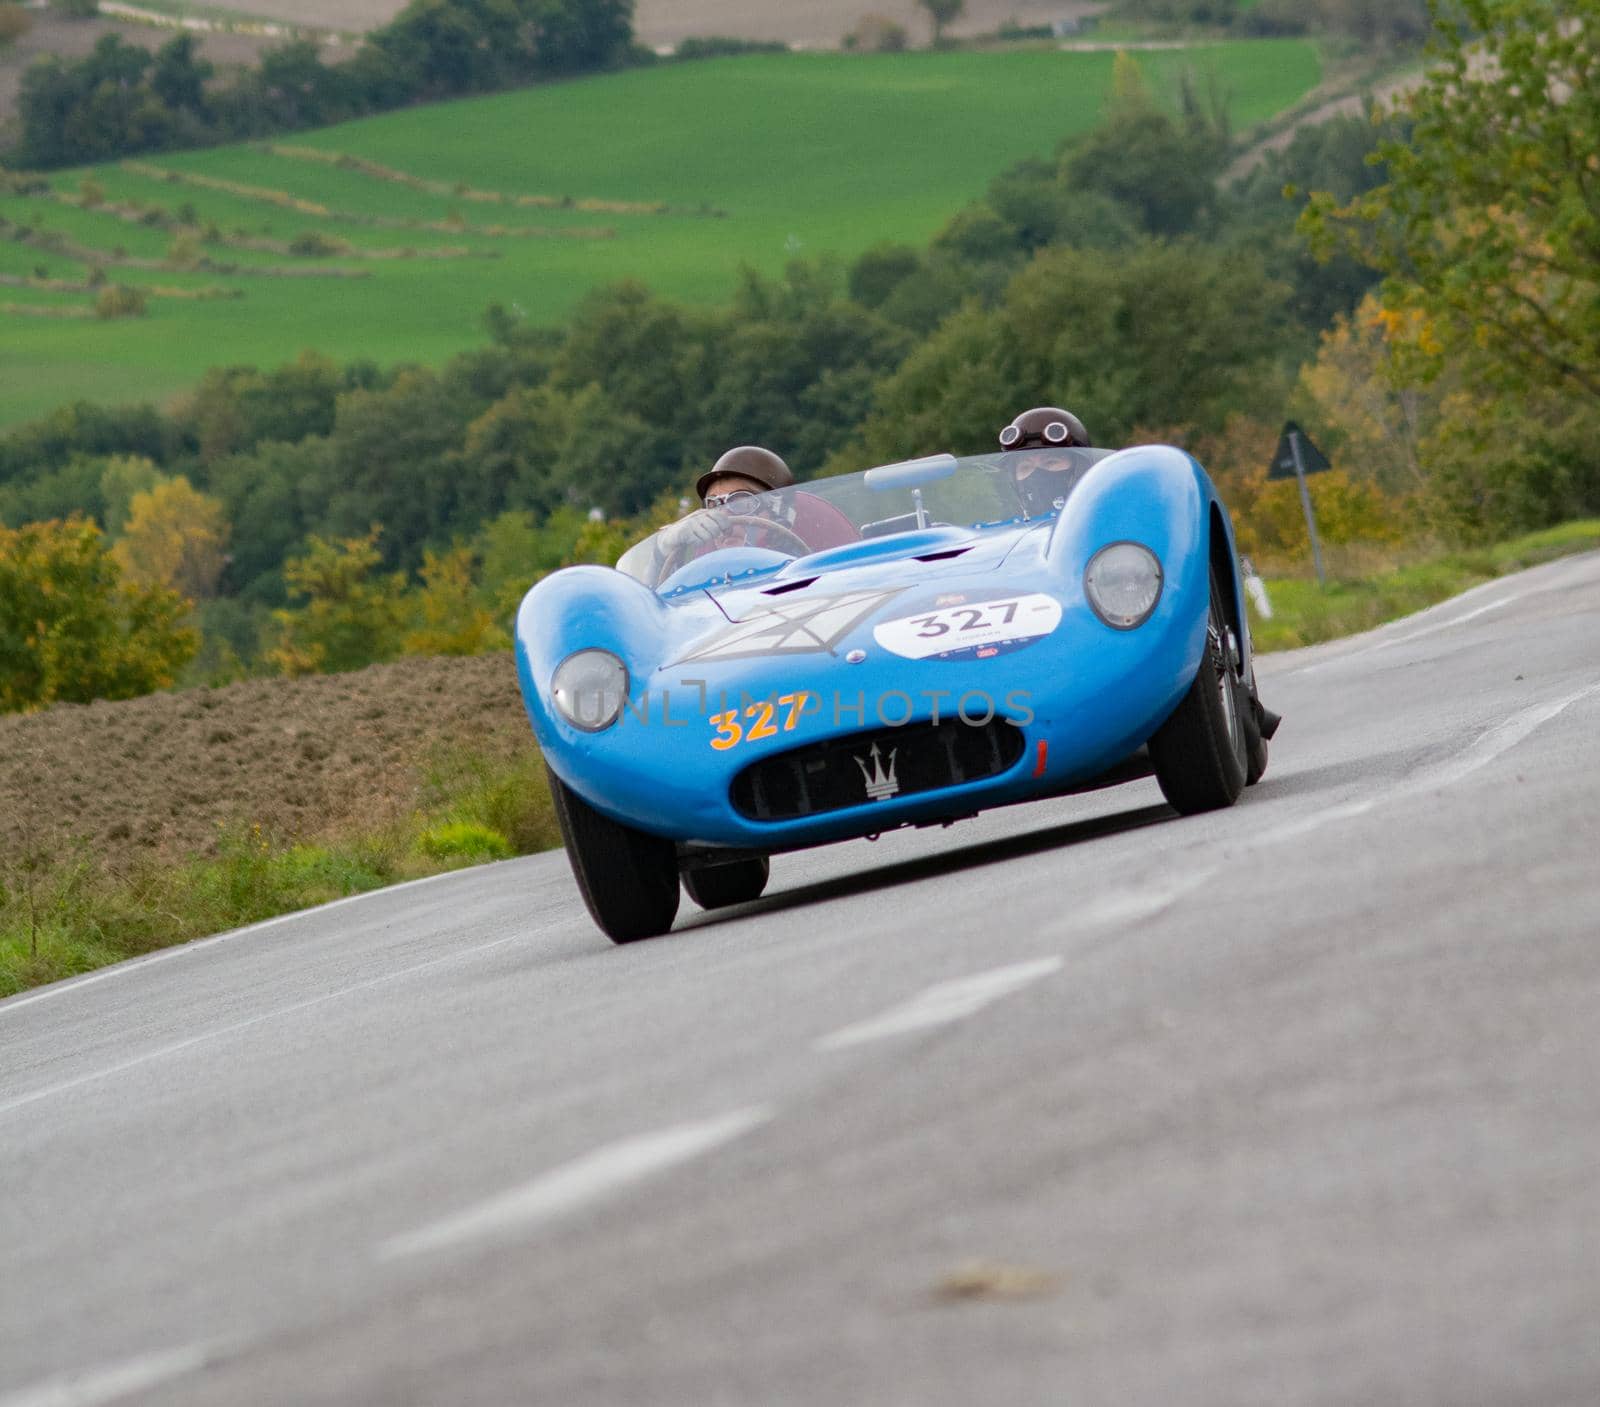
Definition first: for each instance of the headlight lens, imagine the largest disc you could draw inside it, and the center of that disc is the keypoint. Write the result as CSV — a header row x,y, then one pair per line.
x,y
1123,584
589,689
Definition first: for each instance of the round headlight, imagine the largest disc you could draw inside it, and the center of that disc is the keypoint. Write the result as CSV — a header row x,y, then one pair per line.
x,y
589,689
1123,584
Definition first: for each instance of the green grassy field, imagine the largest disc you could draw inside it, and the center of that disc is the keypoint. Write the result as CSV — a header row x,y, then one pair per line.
x,y
756,159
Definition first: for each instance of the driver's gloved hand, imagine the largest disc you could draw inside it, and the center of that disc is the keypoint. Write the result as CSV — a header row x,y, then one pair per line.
x,y
700,529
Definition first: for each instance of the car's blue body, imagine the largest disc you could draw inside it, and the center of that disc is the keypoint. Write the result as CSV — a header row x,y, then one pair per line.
x,y
1085,696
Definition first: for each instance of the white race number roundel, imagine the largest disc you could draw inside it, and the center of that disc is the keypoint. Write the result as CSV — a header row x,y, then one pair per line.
x,y
971,630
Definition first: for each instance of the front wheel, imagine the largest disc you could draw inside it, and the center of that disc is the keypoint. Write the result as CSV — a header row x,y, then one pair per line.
x,y
628,879
717,886
1201,753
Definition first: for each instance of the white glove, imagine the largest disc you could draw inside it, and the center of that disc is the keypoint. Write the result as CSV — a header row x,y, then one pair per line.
x,y
701,528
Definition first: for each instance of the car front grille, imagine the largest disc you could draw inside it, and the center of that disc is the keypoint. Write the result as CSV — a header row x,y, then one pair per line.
x,y
874,766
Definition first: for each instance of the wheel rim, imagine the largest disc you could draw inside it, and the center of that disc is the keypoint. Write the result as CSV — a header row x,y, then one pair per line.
x,y
1221,654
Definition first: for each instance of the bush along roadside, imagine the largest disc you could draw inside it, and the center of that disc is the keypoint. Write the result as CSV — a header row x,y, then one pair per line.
x,y
62,913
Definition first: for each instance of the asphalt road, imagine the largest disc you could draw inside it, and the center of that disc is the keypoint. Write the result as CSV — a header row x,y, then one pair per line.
x,y
1075,1103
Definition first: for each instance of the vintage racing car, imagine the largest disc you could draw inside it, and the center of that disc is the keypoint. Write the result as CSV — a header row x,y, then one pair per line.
x,y
906,646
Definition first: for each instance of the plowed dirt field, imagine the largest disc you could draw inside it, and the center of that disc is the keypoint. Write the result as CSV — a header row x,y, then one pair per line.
x,y
165,774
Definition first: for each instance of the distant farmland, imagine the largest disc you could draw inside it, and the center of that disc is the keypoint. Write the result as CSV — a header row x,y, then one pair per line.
x,y
387,238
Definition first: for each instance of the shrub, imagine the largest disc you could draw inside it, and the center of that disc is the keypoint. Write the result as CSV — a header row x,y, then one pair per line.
x,y
184,251
466,840
120,301
309,244
716,46
875,34
508,796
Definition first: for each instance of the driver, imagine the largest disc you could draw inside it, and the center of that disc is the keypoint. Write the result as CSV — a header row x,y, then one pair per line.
x,y
727,490
1037,472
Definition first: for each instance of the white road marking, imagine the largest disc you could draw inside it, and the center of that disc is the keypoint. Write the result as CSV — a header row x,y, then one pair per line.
x,y
1374,646
943,1003
180,950
1126,906
102,1385
1497,740
586,1179
1492,743
178,1046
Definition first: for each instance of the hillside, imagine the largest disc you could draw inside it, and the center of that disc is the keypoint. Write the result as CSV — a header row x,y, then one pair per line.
x,y
387,238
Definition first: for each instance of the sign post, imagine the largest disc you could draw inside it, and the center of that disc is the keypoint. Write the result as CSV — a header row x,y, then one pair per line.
x,y
1297,455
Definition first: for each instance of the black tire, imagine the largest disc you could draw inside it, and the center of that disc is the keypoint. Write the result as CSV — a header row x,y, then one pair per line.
x,y
717,886
1201,752
629,880
1255,746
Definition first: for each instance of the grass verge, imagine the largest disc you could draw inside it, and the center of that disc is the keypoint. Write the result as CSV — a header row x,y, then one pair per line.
x,y
1305,614
61,915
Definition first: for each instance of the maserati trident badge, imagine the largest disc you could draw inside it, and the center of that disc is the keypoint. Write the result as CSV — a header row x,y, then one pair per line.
x,y
881,782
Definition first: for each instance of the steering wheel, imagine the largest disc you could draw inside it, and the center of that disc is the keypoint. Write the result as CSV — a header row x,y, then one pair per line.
x,y
787,537
788,540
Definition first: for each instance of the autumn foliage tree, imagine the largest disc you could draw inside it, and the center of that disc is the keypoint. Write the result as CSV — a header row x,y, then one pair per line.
x,y
175,537
72,629
1487,230
1489,223
452,620
351,615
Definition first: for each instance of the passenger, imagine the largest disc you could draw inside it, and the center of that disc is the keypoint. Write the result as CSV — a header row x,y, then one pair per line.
x,y
1041,474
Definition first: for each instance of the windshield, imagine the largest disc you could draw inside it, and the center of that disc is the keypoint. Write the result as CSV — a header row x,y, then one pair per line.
x,y
768,529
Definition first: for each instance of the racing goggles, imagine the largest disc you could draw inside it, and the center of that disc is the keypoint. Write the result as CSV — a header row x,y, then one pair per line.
x,y
740,503
1055,433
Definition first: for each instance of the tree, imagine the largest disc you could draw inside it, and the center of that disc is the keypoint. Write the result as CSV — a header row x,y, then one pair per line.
x,y
175,537
1164,334
124,476
350,618
942,12
1162,168
1489,221
453,620
516,550
1367,387
72,630
273,496
179,78
389,462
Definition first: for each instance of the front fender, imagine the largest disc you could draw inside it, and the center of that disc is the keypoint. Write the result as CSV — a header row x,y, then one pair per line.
x,y
584,608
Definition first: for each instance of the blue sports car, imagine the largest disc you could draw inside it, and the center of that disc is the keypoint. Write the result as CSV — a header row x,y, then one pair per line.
x,y
907,646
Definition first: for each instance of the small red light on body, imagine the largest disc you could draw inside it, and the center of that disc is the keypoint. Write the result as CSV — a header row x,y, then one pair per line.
x,y
1038,767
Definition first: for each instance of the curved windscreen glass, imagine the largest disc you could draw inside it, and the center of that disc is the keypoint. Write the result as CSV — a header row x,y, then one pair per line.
x,y
768,529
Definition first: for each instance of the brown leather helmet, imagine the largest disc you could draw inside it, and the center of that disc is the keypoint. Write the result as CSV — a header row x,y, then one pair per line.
x,y
752,462
1044,427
